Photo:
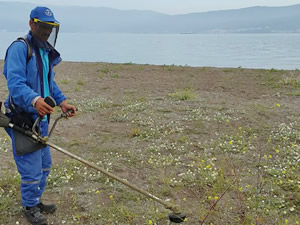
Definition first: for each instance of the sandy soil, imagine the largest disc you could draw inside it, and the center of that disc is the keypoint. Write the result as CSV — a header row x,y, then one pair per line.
x,y
127,112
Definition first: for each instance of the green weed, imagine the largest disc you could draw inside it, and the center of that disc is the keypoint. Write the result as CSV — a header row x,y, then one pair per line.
x,y
128,63
115,75
9,196
105,70
65,81
296,93
272,70
91,105
81,82
228,70
291,81
100,75
183,95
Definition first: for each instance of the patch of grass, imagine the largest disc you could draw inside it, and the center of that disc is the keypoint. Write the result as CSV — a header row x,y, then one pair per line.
x,y
5,143
9,196
105,70
135,132
68,172
241,69
141,68
272,70
239,142
77,89
65,81
81,82
136,106
228,70
203,69
291,81
272,80
261,109
128,63
296,93
183,139
91,105
119,117
100,75
183,95
169,68
115,75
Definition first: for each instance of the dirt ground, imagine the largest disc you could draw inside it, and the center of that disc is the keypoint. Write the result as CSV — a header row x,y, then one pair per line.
x,y
208,139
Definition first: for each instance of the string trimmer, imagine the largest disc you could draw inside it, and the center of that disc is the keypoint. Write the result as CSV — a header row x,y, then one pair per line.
x,y
176,216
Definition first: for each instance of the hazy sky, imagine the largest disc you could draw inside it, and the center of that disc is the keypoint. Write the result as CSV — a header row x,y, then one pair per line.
x,y
168,6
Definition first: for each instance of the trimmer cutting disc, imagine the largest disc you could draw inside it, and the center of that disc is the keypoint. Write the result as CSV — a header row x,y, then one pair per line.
x,y
177,218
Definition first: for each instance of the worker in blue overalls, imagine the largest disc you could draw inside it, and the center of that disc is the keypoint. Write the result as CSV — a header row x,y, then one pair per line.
x,y
30,80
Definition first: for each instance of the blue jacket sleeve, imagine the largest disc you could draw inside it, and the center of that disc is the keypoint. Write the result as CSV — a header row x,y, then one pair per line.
x,y
21,93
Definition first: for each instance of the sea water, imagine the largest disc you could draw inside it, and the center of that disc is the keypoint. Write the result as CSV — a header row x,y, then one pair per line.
x,y
276,50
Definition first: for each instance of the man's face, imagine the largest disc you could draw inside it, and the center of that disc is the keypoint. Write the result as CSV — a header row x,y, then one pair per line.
x,y
41,31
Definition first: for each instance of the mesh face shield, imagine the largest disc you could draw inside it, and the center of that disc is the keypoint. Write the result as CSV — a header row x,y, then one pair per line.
x,y
47,31
53,36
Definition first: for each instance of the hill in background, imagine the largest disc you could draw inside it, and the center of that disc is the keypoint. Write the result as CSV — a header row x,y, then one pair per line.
x,y
14,17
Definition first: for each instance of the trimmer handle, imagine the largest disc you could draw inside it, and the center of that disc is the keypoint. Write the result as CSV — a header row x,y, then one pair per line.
x,y
50,101
69,111
63,115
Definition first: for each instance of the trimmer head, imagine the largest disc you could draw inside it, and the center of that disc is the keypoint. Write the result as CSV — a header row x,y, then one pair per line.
x,y
177,217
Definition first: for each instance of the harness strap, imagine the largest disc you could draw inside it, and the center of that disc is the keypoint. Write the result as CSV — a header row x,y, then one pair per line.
x,y
29,47
11,104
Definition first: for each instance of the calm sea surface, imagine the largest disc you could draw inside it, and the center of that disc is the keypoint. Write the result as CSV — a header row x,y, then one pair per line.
x,y
280,51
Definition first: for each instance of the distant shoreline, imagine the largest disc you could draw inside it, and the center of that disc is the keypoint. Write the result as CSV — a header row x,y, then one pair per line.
x,y
175,66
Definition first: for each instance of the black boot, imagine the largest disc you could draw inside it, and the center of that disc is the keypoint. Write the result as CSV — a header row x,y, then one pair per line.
x,y
34,216
46,208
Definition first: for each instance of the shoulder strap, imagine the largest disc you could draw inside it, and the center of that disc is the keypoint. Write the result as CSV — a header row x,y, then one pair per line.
x,y
29,47
11,104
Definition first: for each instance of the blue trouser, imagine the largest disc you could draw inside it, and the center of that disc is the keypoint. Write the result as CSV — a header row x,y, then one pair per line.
x,y
34,169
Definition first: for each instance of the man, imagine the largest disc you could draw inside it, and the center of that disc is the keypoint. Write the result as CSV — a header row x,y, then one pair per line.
x,y
30,81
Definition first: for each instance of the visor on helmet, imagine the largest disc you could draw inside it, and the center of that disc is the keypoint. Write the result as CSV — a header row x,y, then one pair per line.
x,y
49,30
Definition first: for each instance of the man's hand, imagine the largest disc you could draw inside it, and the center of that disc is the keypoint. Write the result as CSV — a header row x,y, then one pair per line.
x,y
66,107
42,107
